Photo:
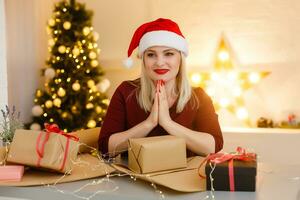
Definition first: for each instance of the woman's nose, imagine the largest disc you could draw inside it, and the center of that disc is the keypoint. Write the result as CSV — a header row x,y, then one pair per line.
x,y
160,61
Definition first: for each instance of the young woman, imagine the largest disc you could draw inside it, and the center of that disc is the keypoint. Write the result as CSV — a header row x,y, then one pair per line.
x,y
161,101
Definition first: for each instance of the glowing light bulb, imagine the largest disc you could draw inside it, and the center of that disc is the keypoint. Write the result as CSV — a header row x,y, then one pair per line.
x,y
48,104
61,92
90,83
254,77
237,91
223,55
94,63
215,76
51,22
242,113
86,30
232,75
76,86
224,102
89,106
196,78
210,91
91,124
57,102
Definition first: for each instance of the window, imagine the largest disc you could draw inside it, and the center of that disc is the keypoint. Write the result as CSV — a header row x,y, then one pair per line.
x,y
3,61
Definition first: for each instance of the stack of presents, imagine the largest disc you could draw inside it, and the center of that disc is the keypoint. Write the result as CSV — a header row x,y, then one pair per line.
x,y
52,156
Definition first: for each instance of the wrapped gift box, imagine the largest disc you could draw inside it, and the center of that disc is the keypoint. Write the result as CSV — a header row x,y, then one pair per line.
x,y
88,139
38,149
11,172
152,154
244,175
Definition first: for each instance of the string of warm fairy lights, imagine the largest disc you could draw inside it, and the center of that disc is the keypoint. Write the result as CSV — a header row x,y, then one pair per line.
x,y
103,180
226,84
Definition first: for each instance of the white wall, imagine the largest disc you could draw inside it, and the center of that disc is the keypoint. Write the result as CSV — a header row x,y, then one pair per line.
x,y
3,63
271,145
264,35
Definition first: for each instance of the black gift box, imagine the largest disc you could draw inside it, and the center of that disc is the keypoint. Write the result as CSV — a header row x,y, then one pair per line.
x,y
244,176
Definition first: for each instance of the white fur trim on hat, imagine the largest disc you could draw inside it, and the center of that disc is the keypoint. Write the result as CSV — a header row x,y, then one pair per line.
x,y
163,38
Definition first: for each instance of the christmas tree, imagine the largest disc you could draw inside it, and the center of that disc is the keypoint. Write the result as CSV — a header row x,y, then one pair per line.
x,y
73,96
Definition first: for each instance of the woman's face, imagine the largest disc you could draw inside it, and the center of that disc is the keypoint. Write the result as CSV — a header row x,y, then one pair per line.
x,y
162,63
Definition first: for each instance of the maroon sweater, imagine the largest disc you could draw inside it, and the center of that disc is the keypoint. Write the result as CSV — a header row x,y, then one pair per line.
x,y
124,113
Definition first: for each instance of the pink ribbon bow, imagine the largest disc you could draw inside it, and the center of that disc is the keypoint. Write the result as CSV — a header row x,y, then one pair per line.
x,y
40,144
218,158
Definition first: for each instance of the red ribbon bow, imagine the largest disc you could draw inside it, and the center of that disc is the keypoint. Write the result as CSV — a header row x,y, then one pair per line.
x,y
40,145
218,158
53,128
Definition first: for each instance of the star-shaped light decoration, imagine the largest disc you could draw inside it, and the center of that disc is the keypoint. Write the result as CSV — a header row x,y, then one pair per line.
x,y
225,84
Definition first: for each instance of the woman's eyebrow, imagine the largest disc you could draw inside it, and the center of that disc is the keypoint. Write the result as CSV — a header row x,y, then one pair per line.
x,y
169,50
149,51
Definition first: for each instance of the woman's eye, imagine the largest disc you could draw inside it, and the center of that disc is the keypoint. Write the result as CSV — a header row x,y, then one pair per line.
x,y
169,54
150,54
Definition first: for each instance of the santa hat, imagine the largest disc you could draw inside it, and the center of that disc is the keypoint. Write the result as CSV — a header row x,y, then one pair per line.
x,y
161,32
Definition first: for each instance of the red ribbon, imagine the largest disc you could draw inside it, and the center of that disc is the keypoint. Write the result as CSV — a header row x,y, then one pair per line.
x,y
218,158
40,144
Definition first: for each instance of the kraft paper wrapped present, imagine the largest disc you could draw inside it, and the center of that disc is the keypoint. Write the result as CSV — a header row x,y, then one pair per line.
x,y
85,167
11,172
88,166
88,139
152,154
50,149
183,179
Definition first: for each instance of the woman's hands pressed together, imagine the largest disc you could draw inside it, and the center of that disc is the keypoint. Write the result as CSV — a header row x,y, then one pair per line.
x,y
160,109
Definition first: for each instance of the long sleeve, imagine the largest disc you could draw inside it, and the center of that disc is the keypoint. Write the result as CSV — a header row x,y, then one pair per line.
x,y
207,119
114,120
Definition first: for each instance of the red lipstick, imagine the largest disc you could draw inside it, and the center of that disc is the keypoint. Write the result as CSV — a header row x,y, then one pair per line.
x,y
161,71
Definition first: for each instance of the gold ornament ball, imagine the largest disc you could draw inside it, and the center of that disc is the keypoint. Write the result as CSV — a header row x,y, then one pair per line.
x,y
94,88
94,63
90,83
48,29
48,104
62,49
76,86
39,93
75,51
92,55
51,22
96,36
91,123
89,106
67,25
98,109
57,102
64,115
86,30
105,101
51,42
74,109
61,92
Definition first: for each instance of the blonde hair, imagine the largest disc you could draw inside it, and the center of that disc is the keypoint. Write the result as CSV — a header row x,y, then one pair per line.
x,y
146,89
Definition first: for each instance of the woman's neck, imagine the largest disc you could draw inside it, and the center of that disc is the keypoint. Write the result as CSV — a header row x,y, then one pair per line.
x,y
171,91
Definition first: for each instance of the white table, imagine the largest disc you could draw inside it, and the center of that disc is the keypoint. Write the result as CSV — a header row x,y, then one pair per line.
x,y
274,182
